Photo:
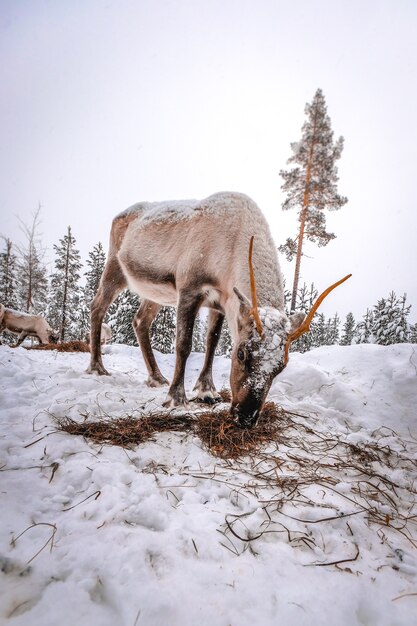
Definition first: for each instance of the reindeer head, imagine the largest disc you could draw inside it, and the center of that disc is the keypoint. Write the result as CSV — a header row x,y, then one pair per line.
x,y
261,350
53,335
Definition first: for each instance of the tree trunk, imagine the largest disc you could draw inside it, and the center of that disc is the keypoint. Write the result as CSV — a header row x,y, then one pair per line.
x,y
303,215
298,258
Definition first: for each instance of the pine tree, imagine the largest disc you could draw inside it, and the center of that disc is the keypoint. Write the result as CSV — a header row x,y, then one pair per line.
x,y
332,330
348,331
8,276
224,347
363,330
311,185
31,271
390,320
198,335
287,297
306,296
121,314
96,262
412,336
64,305
319,332
402,328
163,330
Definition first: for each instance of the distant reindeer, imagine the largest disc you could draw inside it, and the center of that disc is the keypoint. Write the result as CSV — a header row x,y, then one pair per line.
x,y
105,336
191,254
26,325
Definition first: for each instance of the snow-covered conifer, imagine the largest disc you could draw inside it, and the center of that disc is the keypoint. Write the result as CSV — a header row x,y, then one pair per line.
x,y
64,299
332,331
348,331
199,335
163,330
8,276
287,297
120,317
96,261
306,297
390,320
363,330
224,346
319,331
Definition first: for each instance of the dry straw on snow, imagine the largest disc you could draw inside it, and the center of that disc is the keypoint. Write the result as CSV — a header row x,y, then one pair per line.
x,y
66,346
219,434
301,475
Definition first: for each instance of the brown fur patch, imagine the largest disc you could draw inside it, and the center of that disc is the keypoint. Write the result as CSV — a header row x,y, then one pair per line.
x,y
119,228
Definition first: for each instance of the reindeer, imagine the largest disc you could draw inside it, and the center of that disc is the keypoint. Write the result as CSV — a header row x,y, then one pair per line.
x,y
25,324
194,254
105,336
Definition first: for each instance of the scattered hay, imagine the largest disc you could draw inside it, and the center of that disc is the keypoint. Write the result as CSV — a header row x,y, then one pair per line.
x,y
125,431
301,475
216,429
223,438
65,346
226,395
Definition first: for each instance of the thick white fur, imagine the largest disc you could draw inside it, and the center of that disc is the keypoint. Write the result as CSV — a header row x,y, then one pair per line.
x,y
210,237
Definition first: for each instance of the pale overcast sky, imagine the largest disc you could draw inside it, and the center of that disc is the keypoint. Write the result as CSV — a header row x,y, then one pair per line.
x,y
105,103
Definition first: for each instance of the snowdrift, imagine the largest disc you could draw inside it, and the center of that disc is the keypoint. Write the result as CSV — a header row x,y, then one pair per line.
x,y
317,526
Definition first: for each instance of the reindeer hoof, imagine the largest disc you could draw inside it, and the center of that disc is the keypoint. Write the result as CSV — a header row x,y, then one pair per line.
x,y
97,369
157,381
175,403
208,398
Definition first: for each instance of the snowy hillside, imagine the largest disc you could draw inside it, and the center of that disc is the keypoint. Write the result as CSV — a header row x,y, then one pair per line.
x,y
319,528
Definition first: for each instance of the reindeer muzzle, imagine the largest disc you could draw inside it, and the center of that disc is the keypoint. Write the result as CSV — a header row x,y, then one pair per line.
x,y
244,418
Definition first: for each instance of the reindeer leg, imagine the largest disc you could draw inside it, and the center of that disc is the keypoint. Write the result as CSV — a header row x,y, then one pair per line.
x,y
188,304
141,324
111,284
21,338
206,391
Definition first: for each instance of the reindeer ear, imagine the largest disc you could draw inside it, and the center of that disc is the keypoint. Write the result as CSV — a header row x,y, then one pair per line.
x,y
244,318
296,319
245,305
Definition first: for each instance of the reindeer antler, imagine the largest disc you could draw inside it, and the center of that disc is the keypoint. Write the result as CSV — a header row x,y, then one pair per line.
x,y
305,326
254,310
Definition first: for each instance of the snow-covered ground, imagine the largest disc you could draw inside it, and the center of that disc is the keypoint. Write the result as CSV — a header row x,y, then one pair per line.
x,y
315,530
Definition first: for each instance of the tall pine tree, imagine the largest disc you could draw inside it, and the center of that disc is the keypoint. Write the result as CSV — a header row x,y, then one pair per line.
x,y
8,276
64,305
311,185
96,262
32,275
